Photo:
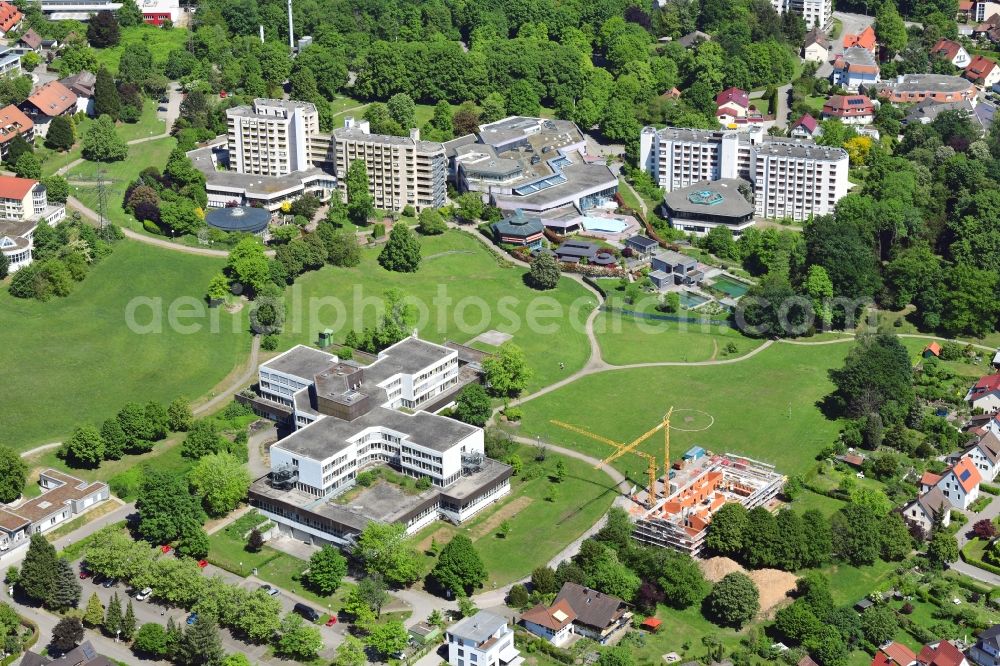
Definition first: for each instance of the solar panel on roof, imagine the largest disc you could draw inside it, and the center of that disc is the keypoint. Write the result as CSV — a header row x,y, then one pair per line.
x,y
964,475
88,651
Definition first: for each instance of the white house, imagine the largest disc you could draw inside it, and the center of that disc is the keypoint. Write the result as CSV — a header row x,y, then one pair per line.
x,y
816,47
985,395
482,640
923,510
959,483
951,51
985,455
553,623
986,651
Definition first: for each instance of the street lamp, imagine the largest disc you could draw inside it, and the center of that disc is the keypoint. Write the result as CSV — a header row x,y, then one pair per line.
x,y
241,570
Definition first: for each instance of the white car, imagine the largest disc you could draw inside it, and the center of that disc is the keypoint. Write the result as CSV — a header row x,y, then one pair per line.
x,y
143,594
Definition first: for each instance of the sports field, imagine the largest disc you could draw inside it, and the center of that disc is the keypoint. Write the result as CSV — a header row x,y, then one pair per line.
x,y
75,360
459,292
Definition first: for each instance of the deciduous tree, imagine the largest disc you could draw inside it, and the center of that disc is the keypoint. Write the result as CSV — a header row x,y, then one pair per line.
x,y
152,639
388,639
61,135
507,372
222,482
102,30
734,600
297,639
473,405
66,635
327,568
384,549
544,271
101,143
359,198
84,448
12,475
401,253
459,566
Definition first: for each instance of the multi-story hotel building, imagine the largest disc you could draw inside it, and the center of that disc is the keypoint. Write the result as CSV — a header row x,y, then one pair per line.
x,y
816,13
349,417
791,178
23,206
401,170
272,137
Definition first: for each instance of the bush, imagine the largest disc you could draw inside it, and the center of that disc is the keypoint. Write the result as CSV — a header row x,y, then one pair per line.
x,y
513,413
125,485
269,342
989,488
378,230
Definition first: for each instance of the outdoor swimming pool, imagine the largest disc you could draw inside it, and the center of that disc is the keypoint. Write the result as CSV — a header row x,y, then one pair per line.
x,y
730,286
607,225
691,301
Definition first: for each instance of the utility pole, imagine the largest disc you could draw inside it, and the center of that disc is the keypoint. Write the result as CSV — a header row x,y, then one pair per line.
x,y
102,202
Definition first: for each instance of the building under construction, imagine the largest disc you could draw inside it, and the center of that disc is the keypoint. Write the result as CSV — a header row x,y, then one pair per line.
x,y
699,485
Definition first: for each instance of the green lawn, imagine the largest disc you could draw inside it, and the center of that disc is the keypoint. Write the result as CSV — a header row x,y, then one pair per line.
x,y
75,360
539,529
149,124
625,340
230,553
682,632
282,570
160,43
808,500
849,584
459,292
151,153
764,407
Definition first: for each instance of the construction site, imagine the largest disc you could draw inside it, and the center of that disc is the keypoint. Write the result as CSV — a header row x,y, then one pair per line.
x,y
675,509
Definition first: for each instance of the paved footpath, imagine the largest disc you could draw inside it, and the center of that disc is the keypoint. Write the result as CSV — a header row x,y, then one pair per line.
x,y
964,535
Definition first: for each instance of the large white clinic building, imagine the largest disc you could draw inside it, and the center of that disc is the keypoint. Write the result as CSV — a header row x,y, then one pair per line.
x,y
791,178
349,417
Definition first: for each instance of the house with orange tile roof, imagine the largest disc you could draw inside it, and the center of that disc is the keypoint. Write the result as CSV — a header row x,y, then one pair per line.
x,y
865,39
983,72
850,109
50,101
933,349
894,654
553,623
942,653
952,51
14,122
960,483
10,17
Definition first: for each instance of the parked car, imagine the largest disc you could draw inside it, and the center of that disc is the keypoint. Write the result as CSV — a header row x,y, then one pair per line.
x,y
202,563
307,612
272,591
192,618
110,582
144,594
332,621
84,574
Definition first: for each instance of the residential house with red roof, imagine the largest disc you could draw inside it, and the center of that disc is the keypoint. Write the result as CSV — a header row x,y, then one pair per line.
x,y
941,653
985,455
553,623
32,40
933,349
865,39
894,654
806,127
731,104
13,122
49,101
983,72
951,51
855,67
960,483
850,109
985,394
10,17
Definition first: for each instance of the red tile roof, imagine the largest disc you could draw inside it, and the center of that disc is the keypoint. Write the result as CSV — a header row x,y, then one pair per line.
x,y
966,474
965,5
946,48
979,68
865,39
848,106
13,122
10,16
555,617
897,653
987,384
942,654
53,99
808,122
933,348
15,188
734,95
31,39
929,479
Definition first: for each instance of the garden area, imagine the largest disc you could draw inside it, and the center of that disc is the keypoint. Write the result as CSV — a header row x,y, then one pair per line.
x,y
69,350
160,42
539,517
450,306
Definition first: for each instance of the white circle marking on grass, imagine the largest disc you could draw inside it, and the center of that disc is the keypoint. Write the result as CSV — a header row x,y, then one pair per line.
x,y
711,420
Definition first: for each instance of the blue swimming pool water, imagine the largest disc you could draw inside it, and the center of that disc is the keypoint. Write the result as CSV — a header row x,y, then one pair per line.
x,y
608,225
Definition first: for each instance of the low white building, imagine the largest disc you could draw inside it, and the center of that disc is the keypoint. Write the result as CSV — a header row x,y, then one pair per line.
x,y
959,483
23,206
63,498
482,640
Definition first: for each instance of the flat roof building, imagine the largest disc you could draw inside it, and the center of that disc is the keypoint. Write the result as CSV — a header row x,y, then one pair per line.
x,y
348,417
699,208
919,87
792,178
402,171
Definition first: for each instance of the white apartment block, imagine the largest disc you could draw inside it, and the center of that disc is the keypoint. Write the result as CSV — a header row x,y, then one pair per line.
x,y
272,137
793,178
816,13
349,417
482,640
401,170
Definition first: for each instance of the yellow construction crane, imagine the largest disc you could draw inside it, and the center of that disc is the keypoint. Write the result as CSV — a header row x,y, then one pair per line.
x,y
666,451
631,447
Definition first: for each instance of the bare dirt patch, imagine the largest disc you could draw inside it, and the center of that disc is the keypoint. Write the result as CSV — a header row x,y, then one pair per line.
x,y
773,585
493,522
440,535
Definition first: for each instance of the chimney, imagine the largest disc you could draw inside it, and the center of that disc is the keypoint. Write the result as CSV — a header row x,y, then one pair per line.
x,y
415,134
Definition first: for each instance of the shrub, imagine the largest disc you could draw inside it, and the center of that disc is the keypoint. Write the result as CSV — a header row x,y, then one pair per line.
x,y
269,342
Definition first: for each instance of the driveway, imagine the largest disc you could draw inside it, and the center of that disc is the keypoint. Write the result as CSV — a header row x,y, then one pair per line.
x,y
990,513
853,23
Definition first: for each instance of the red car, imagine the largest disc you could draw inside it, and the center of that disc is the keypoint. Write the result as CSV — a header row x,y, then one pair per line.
x,y
332,621
165,549
202,563
84,574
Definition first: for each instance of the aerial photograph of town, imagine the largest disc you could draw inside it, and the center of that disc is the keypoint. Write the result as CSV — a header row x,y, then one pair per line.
x,y
500,332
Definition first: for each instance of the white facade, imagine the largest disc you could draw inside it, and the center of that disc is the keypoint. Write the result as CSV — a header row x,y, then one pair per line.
x,y
816,52
985,455
958,496
791,178
816,13
271,138
482,640
983,10
402,171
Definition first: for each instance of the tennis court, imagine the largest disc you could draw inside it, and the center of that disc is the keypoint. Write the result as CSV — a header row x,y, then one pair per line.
x,y
730,287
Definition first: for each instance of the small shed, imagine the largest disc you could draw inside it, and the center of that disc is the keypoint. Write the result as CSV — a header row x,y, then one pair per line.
x,y
863,605
643,246
422,633
933,349
694,453
651,624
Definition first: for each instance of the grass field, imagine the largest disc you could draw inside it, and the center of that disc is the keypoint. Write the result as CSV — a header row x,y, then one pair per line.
x,y
283,570
75,360
539,529
450,305
764,407
149,124
160,43
625,340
